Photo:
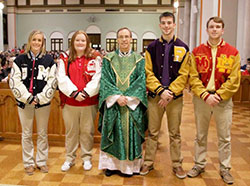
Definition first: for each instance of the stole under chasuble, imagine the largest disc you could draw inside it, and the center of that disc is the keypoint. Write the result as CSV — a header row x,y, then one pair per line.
x,y
123,129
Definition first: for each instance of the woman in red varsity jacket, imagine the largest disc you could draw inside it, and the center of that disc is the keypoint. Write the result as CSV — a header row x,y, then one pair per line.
x,y
78,78
33,83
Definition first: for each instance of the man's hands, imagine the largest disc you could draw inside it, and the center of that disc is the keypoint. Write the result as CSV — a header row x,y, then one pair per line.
x,y
213,100
166,97
122,101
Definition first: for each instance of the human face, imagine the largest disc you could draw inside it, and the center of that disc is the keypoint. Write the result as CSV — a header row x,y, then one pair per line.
x,y
167,26
215,30
248,67
80,44
124,39
36,43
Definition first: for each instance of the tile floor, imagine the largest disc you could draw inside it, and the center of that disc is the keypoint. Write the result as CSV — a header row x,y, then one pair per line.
x,y
11,168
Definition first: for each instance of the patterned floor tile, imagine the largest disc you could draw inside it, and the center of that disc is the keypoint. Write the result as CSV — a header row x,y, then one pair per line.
x,y
12,171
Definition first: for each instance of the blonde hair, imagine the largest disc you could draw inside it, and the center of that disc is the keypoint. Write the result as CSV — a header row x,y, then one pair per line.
x,y
88,53
32,34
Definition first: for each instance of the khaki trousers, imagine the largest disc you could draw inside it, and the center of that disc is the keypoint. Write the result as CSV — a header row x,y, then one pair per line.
x,y
26,116
79,125
223,119
155,114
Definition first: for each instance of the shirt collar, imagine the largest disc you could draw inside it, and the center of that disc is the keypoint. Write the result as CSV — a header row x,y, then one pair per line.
x,y
164,41
123,54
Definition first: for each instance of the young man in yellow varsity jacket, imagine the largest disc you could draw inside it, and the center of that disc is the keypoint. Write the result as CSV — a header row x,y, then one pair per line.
x,y
214,78
166,78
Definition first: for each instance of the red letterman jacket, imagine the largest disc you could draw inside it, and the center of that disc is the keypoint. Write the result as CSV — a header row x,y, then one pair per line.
x,y
83,74
227,70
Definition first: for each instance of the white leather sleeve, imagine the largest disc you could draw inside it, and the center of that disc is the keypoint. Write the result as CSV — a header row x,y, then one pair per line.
x,y
64,83
93,86
19,90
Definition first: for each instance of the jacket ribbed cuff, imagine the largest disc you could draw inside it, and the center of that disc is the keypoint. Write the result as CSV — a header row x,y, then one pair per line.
x,y
85,94
205,95
159,90
74,94
30,99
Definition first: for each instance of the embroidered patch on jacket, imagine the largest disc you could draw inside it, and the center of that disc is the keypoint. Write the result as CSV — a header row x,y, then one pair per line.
x,y
49,93
16,93
91,68
24,72
179,53
202,63
225,63
43,73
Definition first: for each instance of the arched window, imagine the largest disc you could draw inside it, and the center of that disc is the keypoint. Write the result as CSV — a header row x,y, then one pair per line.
x,y
134,42
111,43
147,38
69,37
94,34
56,39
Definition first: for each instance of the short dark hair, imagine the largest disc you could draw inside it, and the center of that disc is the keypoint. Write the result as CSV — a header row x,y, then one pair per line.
x,y
216,20
124,28
167,14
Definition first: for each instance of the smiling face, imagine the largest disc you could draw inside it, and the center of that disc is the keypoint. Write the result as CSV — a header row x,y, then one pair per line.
x,y
80,44
167,26
124,39
36,43
215,30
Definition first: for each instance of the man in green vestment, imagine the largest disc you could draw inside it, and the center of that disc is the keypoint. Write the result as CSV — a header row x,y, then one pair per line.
x,y
122,106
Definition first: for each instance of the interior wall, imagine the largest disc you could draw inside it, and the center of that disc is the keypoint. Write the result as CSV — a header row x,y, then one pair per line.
x,y
229,13
66,23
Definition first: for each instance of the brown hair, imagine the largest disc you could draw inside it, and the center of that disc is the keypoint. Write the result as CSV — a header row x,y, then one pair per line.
x,y
32,34
167,14
216,20
124,28
88,50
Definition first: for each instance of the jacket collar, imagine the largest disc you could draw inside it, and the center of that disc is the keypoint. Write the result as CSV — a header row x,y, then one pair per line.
x,y
164,41
39,56
222,43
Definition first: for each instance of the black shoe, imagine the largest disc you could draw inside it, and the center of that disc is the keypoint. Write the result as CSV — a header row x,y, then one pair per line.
x,y
1,138
109,172
126,175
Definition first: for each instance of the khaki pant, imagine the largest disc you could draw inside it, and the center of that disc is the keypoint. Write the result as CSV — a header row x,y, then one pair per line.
x,y
223,119
79,125
26,116
155,114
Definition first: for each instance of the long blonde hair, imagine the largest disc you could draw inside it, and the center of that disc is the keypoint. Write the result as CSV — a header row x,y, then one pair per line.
x,y
88,50
32,34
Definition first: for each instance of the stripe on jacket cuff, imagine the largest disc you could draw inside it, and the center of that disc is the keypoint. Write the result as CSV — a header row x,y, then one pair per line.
x,y
204,96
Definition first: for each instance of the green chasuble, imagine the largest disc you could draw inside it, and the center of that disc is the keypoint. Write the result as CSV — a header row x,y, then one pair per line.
x,y
123,129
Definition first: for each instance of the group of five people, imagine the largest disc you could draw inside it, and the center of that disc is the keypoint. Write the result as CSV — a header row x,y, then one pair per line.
x,y
131,94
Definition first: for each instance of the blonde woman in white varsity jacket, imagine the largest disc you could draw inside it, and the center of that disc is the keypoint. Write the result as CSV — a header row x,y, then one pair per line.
x,y
33,83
